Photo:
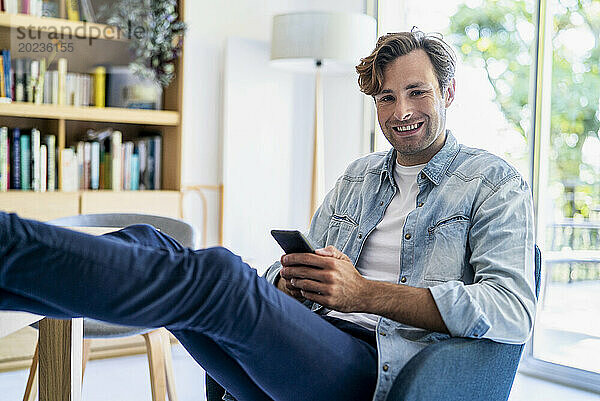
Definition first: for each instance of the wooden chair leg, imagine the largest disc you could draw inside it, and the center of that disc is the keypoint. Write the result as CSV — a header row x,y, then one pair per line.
x,y
169,366
156,362
32,380
87,344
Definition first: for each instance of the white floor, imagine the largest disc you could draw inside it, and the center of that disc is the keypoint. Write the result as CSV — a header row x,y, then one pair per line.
x,y
126,379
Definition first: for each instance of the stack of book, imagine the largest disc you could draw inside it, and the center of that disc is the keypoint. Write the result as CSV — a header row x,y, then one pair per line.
x,y
76,10
6,86
28,161
30,7
27,80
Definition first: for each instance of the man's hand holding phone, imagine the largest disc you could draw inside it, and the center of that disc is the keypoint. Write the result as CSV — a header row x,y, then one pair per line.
x,y
291,241
326,276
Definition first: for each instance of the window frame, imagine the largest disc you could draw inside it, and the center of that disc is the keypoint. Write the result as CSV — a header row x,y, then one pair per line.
x,y
540,99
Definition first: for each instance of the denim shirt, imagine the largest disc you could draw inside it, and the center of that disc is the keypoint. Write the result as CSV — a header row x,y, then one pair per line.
x,y
469,239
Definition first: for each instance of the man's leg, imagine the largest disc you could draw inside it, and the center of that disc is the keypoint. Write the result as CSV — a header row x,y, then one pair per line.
x,y
206,352
289,352
145,234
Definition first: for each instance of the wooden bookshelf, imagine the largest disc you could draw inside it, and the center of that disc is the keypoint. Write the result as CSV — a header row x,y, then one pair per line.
x,y
98,114
53,205
96,44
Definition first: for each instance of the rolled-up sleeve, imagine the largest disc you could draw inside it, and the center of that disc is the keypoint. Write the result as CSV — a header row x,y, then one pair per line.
x,y
500,304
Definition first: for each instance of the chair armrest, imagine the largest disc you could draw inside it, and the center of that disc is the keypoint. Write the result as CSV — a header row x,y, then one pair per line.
x,y
459,369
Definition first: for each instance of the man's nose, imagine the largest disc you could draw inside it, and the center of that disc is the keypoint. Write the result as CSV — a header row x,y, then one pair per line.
x,y
403,110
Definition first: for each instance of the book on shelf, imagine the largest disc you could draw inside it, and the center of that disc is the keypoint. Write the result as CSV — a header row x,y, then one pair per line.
x,y
51,8
3,93
32,74
15,159
95,166
72,10
87,163
25,166
4,169
87,11
116,140
99,86
50,143
35,159
5,75
62,81
68,178
43,168
38,85
19,91
154,161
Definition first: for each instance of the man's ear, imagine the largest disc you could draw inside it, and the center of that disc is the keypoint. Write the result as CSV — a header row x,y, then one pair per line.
x,y
449,93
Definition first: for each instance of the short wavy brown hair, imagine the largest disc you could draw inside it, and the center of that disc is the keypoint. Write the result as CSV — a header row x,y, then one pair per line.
x,y
393,45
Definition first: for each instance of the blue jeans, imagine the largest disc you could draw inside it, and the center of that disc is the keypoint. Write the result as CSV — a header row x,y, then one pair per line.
x,y
256,341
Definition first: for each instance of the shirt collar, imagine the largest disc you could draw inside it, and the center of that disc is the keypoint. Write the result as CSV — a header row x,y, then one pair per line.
x,y
436,167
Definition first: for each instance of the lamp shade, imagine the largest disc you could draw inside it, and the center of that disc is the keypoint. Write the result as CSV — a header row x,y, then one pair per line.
x,y
339,40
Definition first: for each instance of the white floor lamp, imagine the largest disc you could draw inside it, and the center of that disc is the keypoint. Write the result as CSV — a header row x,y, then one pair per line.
x,y
321,42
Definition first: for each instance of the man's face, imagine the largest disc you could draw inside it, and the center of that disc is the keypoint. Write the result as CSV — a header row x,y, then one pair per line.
x,y
411,109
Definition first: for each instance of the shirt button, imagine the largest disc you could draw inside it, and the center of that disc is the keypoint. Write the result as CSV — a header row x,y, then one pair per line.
x,y
403,279
408,236
423,175
386,367
382,333
420,204
359,235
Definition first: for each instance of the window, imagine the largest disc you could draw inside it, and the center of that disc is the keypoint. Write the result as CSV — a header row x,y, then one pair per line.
x,y
567,326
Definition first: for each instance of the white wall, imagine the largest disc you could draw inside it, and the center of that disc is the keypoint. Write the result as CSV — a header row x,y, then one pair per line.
x,y
210,24
267,143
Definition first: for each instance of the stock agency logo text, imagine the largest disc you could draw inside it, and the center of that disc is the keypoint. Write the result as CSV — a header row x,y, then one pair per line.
x,y
82,31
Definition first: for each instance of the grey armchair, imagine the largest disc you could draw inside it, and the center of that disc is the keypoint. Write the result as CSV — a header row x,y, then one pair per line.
x,y
456,369
157,340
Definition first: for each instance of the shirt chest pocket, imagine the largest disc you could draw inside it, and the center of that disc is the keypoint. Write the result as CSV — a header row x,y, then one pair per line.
x,y
340,230
446,244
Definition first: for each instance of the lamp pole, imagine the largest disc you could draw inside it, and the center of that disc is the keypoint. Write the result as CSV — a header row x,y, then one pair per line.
x,y
318,154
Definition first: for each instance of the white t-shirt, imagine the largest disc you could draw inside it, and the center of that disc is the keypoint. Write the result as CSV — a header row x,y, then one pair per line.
x,y
380,256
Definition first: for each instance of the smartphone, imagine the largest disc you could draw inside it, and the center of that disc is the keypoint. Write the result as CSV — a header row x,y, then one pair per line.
x,y
292,241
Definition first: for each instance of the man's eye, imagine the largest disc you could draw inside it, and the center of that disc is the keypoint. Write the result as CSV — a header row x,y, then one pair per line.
x,y
417,93
386,99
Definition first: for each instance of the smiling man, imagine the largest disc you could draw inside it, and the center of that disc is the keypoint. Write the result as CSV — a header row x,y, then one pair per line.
x,y
429,240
